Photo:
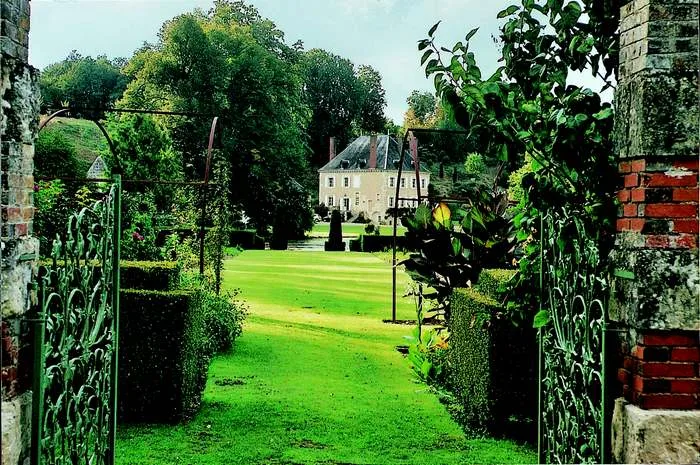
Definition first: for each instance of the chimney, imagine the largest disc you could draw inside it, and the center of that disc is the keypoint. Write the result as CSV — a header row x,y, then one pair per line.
x,y
413,145
331,149
373,151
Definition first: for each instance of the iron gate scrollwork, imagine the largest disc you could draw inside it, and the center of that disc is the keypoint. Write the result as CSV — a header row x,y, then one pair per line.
x,y
76,339
572,384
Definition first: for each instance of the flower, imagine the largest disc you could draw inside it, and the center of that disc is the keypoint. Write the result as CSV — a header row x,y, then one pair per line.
x,y
137,236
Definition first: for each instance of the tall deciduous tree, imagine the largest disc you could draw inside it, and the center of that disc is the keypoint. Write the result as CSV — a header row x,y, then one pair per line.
x,y
214,63
82,82
372,99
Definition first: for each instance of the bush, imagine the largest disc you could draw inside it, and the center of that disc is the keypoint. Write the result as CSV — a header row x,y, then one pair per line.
x,y
56,156
335,235
223,316
155,276
163,355
376,243
492,364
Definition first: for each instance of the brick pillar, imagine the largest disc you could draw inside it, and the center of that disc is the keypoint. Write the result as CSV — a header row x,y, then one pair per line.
x,y
656,286
19,108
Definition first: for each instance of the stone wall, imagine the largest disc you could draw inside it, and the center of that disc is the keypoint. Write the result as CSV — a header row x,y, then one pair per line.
x,y
655,291
19,108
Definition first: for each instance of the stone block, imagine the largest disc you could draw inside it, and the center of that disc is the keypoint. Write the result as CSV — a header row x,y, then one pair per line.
x,y
664,292
654,436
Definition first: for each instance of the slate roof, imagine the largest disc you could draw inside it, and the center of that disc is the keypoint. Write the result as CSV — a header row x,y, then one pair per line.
x,y
356,156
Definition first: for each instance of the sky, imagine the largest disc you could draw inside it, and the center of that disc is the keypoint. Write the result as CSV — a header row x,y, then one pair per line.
x,y
380,33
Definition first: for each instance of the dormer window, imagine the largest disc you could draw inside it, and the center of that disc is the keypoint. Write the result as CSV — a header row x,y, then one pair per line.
x,y
344,164
396,162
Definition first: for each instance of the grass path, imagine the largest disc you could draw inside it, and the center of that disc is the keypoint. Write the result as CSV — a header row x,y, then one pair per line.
x,y
314,379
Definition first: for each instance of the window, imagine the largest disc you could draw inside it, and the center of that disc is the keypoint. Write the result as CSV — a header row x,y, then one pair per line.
x,y
401,204
392,181
356,181
346,181
331,201
331,181
403,182
379,196
357,199
391,201
346,203
422,183
413,183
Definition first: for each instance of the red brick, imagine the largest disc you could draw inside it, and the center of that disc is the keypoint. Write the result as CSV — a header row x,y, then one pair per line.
x,y
637,195
631,180
629,210
685,386
638,166
686,241
623,196
636,224
27,213
8,374
670,338
664,180
666,370
630,363
623,376
666,401
657,241
685,354
691,164
670,210
623,225
686,195
686,226
625,167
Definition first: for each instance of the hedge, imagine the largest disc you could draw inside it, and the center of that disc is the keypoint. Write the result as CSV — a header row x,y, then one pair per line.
x,y
152,275
246,240
163,356
492,364
377,243
158,276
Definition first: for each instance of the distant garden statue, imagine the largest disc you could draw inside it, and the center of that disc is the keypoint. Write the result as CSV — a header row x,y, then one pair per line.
x,y
335,236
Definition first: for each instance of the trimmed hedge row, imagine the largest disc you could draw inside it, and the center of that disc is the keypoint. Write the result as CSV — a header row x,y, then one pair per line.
x,y
157,276
163,356
247,240
492,364
375,243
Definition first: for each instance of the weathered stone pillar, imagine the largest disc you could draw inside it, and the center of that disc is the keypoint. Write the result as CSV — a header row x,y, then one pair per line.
x,y
19,109
656,289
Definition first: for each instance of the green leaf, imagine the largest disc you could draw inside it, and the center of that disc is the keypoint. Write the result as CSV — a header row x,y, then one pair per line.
x,y
442,214
425,56
470,34
541,319
624,274
604,113
456,246
422,44
458,46
433,29
507,12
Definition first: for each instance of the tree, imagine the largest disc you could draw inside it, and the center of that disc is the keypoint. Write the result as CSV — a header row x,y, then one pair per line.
x,y
332,93
422,106
372,99
213,63
82,82
56,156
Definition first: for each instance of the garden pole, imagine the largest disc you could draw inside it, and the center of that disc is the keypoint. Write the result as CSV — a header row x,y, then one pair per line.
x,y
204,195
38,378
396,215
540,452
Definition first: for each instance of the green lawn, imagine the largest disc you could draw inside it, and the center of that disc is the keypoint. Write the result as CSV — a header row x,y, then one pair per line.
x,y
315,378
354,230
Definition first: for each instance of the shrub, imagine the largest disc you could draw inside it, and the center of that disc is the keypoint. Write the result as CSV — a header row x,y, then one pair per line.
x,y
156,276
163,355
56,156
492,364
335,235
223,318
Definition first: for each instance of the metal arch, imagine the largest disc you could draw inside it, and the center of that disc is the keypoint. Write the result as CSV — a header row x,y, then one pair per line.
x,y
112,149
204,191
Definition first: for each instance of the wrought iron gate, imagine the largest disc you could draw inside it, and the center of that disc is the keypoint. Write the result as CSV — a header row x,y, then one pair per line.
x,y
572,385
76,338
